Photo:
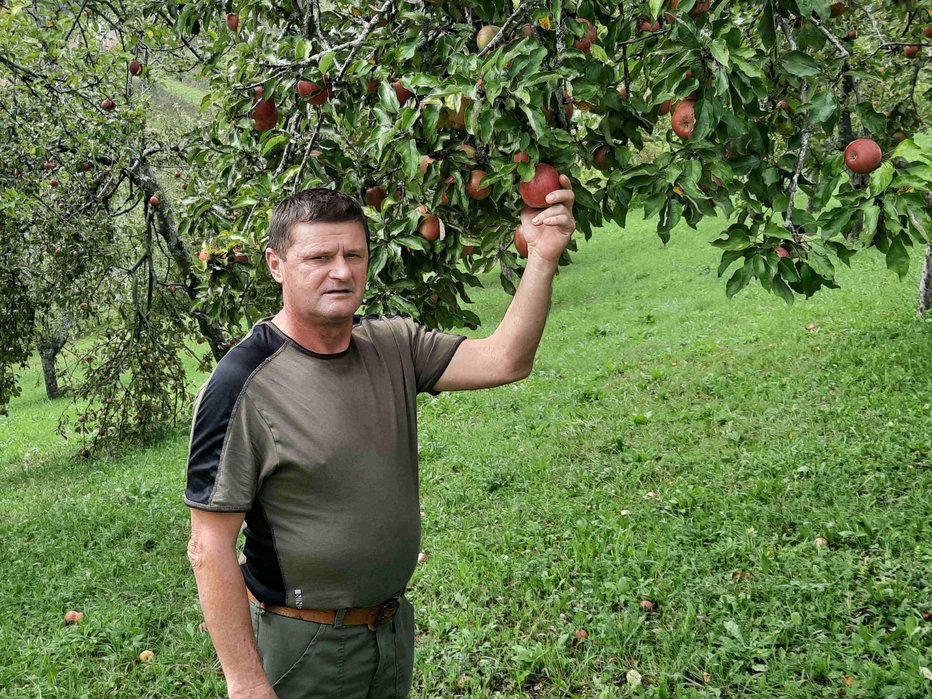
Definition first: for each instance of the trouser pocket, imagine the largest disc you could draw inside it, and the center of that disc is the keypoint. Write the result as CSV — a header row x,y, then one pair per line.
x,y
404,648
285,646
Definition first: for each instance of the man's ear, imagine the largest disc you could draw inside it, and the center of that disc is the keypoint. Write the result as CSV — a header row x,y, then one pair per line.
x,y
274,262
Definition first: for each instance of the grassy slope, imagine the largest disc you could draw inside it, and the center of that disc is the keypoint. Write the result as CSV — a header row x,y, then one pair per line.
x,y
755,434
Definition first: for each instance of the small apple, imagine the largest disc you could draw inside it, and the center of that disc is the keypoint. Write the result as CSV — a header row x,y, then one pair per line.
x,y
48,166
425,162
184,186
467,250
821,541
486,34
154,200
372,86
784,106
684,119
108,105
837,9
900,136
135,67
53,182
546,180
203,255
646,605
232,21
422,557
853,34
927,32
177,175
665,107
863,155
472,187
147,656
521,157
71,616
782,251
599,157
401,92
375,196
265,115
520,242
585,44
435,299
623,93
430,227
649,27
911,51
580,634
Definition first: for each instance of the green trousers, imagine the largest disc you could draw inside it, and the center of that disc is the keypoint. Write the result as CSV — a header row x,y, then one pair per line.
x,y
322,661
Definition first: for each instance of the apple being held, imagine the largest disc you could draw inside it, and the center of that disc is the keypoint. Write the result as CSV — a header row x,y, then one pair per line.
x,y
520,242
863,155
546,180
684,119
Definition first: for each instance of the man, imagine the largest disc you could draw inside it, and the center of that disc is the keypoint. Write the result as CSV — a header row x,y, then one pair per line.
x,y
307,430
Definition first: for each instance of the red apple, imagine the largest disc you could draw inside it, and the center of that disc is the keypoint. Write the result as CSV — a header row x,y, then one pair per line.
x,y
154,200
426,160
184,186
646,605
177,175
665,107
265,116
684,119
430,227
135,67
472,187
375,196
623,93
54,183
546,180
401,92
853,34
837,9
927,31
48,166
107,105
467,250
911,51
863,155
699,9
580,634
598,158
203,255
468,150
520,157
647,26
71,616
372,86
232,21
585,44
520,242
317,94
782,252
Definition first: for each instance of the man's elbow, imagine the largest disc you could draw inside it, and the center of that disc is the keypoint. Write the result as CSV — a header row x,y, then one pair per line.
x,y
520,372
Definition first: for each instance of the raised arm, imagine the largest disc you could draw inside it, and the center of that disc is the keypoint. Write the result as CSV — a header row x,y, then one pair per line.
x,y
507,355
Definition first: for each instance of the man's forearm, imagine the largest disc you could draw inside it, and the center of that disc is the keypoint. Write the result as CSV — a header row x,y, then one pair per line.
x,y
222,593
518,335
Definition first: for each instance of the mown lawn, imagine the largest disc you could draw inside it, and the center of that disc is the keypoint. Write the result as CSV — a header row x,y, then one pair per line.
x,y
670,446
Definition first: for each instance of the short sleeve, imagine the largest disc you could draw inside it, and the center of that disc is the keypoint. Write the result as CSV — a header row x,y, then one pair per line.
x,y
432,351
231,451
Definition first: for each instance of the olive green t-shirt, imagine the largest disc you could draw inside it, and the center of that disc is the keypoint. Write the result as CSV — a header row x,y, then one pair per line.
x,y
320,452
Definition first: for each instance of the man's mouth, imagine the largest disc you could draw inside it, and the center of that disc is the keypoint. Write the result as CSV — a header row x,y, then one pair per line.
x,y
339,291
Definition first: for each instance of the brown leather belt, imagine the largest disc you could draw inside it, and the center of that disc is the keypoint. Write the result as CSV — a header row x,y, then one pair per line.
x,y
370,616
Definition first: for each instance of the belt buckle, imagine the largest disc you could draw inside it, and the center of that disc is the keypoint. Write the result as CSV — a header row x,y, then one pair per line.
x,y
385,614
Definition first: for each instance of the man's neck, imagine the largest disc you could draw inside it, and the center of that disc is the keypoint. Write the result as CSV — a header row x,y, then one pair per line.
x,y
329,338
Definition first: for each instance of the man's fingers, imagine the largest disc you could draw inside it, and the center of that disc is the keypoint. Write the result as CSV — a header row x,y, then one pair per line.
x,y
550,212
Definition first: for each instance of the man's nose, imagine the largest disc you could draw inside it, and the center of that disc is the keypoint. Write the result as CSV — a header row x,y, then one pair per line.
x,y
340,268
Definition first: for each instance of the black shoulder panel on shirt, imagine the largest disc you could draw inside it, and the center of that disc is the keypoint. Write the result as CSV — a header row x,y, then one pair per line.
x,y
216,406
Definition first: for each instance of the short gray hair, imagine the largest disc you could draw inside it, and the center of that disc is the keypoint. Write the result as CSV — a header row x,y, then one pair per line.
x,y
308,206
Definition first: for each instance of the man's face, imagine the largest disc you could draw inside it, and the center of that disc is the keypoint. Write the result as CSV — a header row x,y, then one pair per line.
x,y
323,274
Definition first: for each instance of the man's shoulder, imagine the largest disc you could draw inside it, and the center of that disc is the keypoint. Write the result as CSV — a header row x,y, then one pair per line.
x,y
236,367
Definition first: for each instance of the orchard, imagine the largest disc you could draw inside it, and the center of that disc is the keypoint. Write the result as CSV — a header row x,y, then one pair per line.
x,y
803,124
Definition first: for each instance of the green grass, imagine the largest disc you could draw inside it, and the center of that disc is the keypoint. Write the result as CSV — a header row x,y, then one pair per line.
x,y
755,434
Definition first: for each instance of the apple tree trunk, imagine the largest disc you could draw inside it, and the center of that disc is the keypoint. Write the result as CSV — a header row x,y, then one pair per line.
x,y
925,283
51,336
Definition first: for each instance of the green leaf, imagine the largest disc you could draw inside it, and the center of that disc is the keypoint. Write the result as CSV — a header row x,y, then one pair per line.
x,y
881,179
822,110
738,281
800,64
326,62
719,52
655,6
898,257
275,142
767,27
871,215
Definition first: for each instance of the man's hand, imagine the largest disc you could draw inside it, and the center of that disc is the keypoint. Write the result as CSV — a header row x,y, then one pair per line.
x,y
548,231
